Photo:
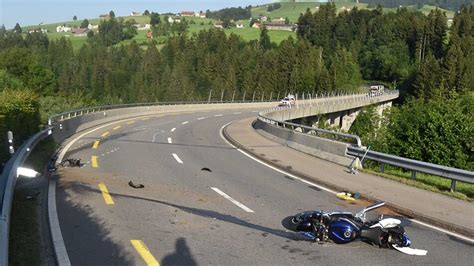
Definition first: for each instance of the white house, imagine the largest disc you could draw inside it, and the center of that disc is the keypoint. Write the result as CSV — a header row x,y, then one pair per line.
x,y
63,29
146,27
135,14
92,27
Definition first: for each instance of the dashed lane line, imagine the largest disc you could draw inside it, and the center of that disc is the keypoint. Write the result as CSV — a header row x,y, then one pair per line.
x,y
117,127
96,144
105,193
218,115
201,118
94,162
144,252
131,122
177,158
240,205
170,141
185,122
105,134
173,129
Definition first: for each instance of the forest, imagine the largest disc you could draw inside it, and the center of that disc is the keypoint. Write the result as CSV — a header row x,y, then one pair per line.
x,y
446,4
430,63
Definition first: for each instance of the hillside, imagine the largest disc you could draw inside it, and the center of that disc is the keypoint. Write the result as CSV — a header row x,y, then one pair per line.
x,y
291,10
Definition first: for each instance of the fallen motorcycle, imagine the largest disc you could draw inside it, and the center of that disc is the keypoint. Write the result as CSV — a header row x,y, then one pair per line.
x,y
345,227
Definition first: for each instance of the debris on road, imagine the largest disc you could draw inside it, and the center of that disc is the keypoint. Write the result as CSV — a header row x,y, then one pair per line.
x,y
348,196
135,185
71,162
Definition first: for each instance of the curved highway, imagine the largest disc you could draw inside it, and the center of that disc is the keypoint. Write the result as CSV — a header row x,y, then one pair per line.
x,y
203,202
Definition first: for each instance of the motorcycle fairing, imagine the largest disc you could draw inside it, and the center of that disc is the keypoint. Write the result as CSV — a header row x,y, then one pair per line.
x,y
411,251
387,223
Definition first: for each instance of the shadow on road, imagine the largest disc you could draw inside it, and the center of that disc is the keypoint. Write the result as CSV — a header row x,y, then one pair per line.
x,y
87,239
182,255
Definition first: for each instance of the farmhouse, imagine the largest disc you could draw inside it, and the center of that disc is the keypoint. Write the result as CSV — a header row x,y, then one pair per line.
x,y
200,14
80,32
219,25
257,25
135,14
63,29
187,13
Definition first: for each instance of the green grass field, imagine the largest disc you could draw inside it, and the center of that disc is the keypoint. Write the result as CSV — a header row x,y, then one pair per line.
x,y
288,9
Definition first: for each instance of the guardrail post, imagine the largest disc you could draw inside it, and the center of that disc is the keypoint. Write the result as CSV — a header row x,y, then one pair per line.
x,y
253,98
222,96
413,174
453,185
233,96
382,167
209,98
243,98
11,149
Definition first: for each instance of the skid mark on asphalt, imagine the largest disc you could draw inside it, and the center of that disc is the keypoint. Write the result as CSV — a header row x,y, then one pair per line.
x,y
227,197
144,252
156,134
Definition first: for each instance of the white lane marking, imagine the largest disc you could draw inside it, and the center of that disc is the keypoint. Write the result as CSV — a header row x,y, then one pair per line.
x,y
173,129
254,111
237,113
169,140
274,168
57,236
240,205
201,118
218,115
330,190
185,122
177,158
443,231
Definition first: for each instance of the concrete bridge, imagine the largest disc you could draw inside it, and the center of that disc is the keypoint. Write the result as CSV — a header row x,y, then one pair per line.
x,y
340,111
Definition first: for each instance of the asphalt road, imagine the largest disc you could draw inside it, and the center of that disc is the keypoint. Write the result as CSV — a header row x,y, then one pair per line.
x,y
184,216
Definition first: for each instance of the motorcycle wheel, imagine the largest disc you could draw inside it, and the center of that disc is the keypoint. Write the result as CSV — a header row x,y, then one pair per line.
x,y
289,223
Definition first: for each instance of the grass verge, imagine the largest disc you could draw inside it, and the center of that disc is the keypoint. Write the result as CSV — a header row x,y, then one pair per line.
x,y
25,247
432,183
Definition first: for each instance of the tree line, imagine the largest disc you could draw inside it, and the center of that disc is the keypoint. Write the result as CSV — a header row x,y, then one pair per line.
x,y
446,4
333,52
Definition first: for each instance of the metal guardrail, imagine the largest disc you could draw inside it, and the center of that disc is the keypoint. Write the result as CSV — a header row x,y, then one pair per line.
x,y
9,174
8,181
416,166
310,130
88,110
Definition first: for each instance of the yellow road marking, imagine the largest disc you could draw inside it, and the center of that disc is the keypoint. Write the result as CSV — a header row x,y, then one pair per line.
x,y
145,253
105,134
146,118
131,122
94,162
117,127
105,193
96,144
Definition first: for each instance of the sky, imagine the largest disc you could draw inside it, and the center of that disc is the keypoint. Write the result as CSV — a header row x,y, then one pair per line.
x,y
34,12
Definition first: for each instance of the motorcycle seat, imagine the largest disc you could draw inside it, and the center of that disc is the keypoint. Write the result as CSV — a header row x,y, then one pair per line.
x,y
387,223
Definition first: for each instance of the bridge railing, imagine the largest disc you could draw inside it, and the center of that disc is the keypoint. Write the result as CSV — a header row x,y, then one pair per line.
x,y
357,150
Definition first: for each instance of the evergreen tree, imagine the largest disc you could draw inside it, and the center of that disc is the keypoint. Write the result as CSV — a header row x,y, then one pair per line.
x,y
84,24
154,19
264,41
17,28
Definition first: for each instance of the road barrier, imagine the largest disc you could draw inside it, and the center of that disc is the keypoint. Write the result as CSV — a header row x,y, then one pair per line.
x,y
280,128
